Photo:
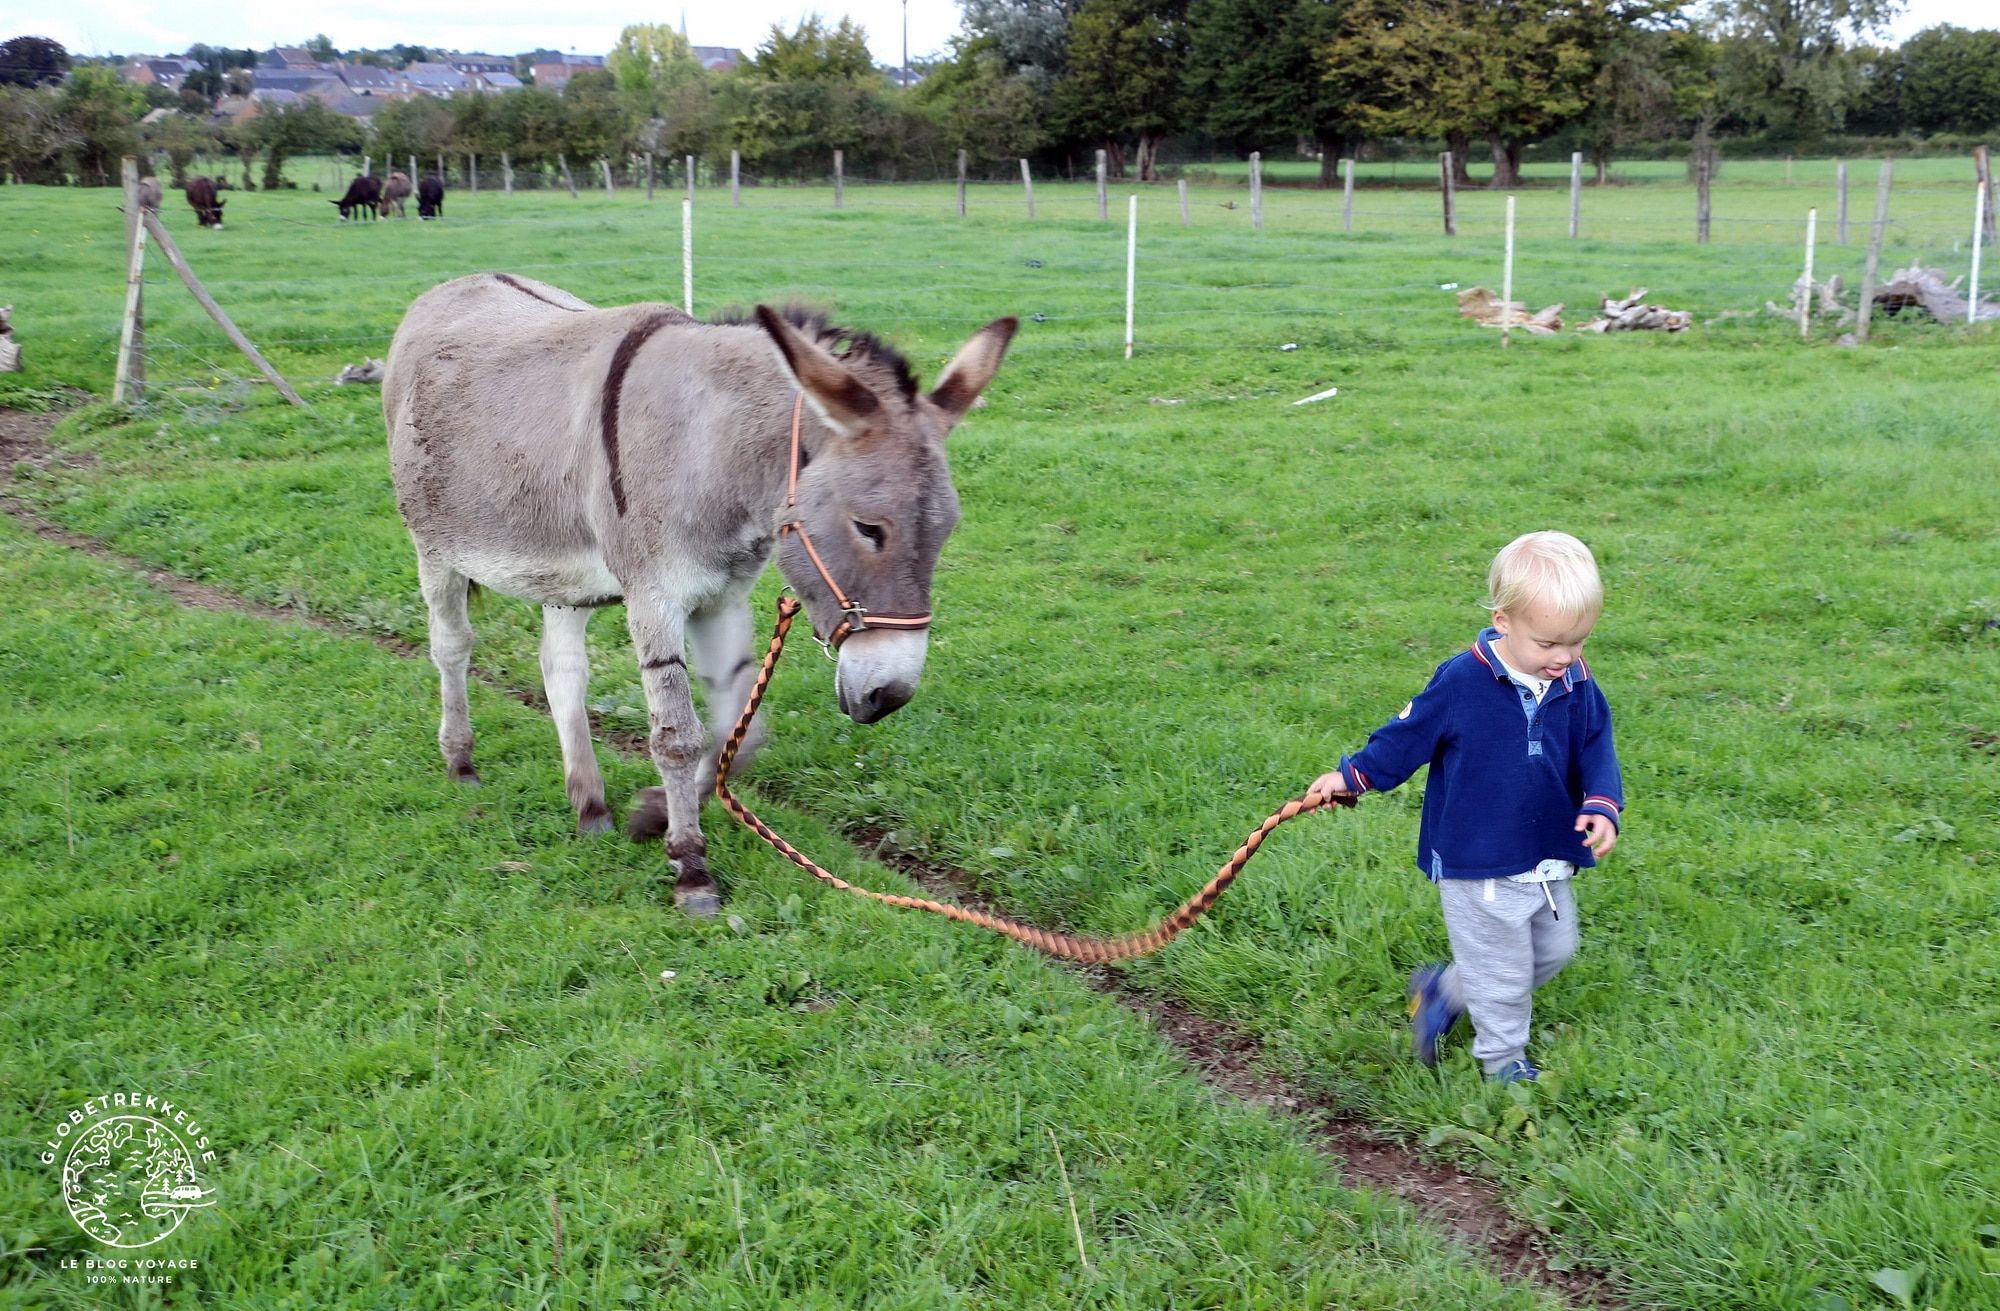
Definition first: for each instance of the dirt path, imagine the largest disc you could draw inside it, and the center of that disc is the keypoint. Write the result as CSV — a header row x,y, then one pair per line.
x,y
1227,1059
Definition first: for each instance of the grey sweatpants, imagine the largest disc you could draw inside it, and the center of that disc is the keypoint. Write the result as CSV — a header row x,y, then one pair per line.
x,y
1505,943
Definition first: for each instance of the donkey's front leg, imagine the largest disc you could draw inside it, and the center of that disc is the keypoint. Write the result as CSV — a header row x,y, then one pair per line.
x,y
676,743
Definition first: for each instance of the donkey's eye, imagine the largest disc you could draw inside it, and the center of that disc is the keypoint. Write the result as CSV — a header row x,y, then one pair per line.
x,y
873,532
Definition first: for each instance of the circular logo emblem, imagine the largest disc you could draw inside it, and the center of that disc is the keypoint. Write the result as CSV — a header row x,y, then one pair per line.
x,y
129,1181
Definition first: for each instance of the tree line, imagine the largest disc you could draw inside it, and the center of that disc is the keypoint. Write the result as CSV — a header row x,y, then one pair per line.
x,y
1056,80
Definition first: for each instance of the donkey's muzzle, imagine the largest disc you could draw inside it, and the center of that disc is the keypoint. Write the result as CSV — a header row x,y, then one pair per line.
x,y
878,672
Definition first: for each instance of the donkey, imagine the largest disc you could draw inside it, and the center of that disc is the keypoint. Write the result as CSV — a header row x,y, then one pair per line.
x,y
580,457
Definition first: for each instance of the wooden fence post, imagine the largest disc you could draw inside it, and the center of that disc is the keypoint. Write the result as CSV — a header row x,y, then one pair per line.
x,y
1874,261
1347,195
569,179
414,175
736,178
839,178
1701,165
443,176
506,174
1840,202
200,293
1028,187
605,164
1450,191
367,165
472,173
961,184
1184,205
1257,190
649,175
129,375
1982,169
1575,192
1103,202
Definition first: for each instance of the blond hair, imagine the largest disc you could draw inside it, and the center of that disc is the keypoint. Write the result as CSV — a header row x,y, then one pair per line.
x,y
1546,566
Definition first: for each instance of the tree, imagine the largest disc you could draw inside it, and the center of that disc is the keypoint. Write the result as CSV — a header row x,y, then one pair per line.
x,y
307,127
322,48
649,59
815,53
1127,60
1254,75
421,126
1508,70
32,61
33,136
1651,80
1029,36
979,106
99,111
181,137
599,124
1783,64
1948,80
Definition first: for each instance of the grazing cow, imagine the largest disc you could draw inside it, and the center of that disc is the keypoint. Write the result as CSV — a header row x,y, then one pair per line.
x,y
395,190
207,208
430,197
581,457
363,198
149,194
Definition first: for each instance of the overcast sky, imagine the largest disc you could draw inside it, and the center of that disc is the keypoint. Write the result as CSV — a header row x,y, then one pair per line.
x,y
510,26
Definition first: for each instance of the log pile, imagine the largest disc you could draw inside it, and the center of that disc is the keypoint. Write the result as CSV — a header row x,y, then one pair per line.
x,y
1822,297
1917,287
1633,315
1484,308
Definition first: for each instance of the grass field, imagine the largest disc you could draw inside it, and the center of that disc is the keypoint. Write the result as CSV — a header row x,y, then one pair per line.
x,y
1777,1070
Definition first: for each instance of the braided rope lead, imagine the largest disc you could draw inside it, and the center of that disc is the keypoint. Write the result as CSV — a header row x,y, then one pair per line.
x,y
1090,951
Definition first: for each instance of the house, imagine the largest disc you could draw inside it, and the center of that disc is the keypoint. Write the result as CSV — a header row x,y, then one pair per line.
x,y
554,71
145,70
718,59
497,82
368,80
429,79
477,62
283,57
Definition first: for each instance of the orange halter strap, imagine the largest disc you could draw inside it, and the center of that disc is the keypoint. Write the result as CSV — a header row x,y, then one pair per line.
x,y
854,616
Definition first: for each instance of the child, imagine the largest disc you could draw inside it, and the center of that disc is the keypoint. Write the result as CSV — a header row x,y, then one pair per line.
x,y
1518,740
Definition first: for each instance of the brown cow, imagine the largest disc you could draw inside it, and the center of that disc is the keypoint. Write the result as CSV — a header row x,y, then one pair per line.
x,y
395,190
207,208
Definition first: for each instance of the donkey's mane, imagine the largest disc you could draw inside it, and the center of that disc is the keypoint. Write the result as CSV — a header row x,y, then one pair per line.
x,y
878,363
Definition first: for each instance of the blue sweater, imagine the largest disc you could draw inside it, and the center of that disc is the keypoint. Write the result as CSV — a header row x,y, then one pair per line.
x,y
1507,782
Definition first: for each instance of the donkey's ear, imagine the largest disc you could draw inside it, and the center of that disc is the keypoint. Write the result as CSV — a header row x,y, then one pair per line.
x,y
973,367
837,396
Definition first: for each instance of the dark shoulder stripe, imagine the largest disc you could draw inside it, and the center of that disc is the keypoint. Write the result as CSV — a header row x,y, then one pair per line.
x,y
614,386
526,290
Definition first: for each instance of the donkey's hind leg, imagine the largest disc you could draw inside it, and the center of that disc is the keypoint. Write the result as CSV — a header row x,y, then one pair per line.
x,y
445,592
566,679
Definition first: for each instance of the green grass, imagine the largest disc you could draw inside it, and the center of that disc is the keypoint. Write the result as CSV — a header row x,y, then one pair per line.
x,y
1776,1052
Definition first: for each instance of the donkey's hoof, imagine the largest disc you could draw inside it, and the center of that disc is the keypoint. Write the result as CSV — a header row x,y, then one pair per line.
x,y
591,826
701,903
467,777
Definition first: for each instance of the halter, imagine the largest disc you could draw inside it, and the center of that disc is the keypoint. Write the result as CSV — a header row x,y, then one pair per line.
x,y
854,616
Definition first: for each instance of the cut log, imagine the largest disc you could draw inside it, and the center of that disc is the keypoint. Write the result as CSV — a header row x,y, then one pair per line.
x,y
1633,315
1484,308
1824,297
1917,287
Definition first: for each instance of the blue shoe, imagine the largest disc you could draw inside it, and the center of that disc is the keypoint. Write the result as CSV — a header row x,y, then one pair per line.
x,y
1516,1071
1431,1016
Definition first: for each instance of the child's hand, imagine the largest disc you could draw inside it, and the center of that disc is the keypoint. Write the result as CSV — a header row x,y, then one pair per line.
x,y
1331,785
1600,834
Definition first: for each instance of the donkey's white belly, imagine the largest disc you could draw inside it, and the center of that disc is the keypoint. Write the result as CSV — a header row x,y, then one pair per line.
x,y
570,578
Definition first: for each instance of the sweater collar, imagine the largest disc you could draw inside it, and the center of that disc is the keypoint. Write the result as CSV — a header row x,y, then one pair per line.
x,y
1482,647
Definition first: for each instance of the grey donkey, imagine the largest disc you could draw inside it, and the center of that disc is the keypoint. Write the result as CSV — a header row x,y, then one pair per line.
x,y
580,457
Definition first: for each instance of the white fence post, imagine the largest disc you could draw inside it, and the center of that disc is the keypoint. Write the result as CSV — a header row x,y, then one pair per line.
x,y
1507,281
687,256
736,178
1257,190
1131,268
1347,195
1805,279
1575,191
1978,231
1185,220
1028,187
1103,211
690,173
1840,202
